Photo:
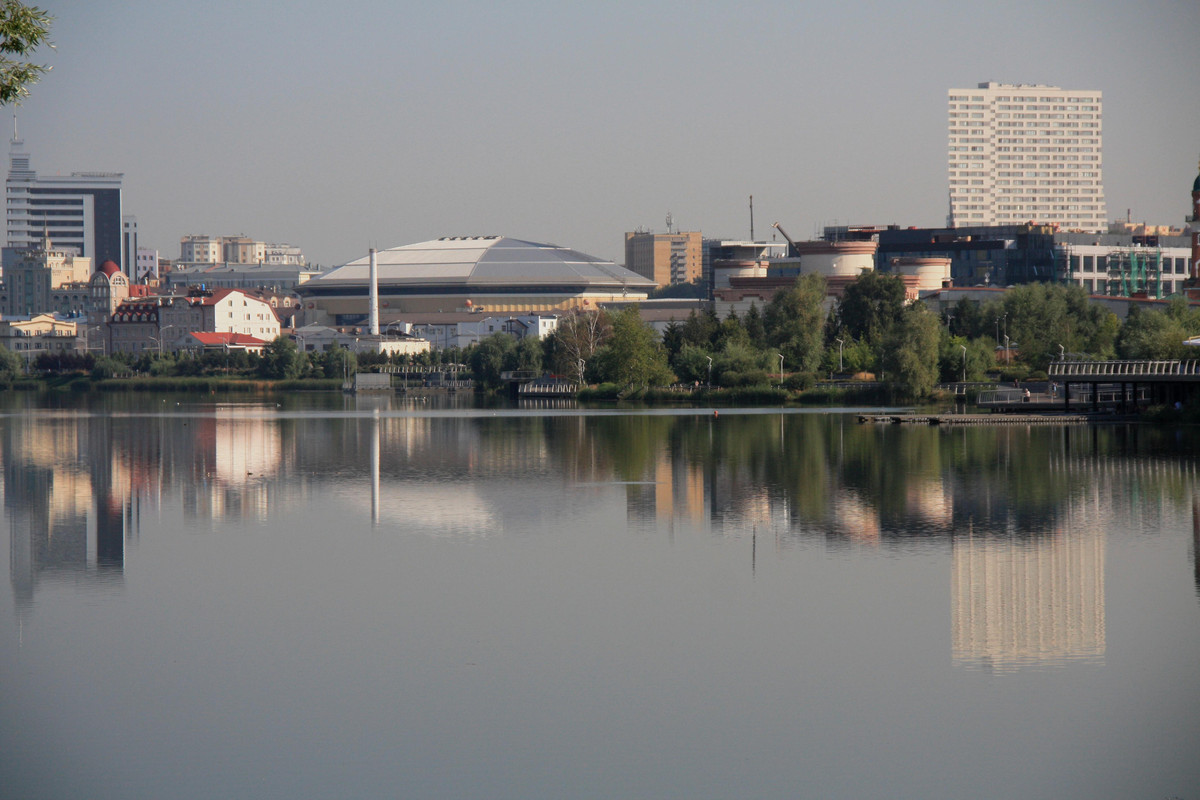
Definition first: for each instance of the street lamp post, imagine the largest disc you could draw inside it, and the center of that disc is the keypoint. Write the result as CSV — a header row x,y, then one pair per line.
x,y
709,371
781,369
161,335
840,367
964,349
88,337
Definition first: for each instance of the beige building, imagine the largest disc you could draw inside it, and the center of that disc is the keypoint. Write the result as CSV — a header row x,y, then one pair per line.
x,y
39,280
1026,153
43,333
665,258
202,249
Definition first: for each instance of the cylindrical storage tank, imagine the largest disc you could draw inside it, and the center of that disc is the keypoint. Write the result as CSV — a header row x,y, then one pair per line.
x,y
836,259
931,273
724,269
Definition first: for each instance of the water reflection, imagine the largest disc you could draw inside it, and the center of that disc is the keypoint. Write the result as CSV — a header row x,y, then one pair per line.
x,y
1021,513
1019,601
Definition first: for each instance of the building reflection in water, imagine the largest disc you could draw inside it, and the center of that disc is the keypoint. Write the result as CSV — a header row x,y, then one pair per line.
x,y
68,505
1019,514
1019,600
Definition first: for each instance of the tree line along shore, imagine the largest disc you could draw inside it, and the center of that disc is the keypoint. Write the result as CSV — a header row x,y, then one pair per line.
x,y
870,346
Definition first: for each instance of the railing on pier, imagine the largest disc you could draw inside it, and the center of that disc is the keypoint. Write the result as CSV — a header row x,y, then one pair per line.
x,y
1079,394
1123,370
547,389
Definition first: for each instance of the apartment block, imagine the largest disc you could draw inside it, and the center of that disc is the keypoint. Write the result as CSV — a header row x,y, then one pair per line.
x,y
665,258
1026,153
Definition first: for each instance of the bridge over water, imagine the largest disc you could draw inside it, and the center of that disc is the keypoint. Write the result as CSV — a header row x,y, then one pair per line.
x,y
1154,382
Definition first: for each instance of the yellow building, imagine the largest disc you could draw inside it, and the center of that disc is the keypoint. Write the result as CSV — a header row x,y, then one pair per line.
x,y
665,258
30,337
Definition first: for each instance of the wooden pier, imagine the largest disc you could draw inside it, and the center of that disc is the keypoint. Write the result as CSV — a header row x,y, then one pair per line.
x,y
976,419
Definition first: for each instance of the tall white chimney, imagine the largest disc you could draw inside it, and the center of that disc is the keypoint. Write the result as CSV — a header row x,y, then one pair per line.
x,y
374,313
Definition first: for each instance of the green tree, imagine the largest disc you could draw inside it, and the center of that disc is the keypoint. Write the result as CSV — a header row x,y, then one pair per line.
x,y
692,365
739,364
633,358
672,339
978,360
871,306
1045,319
23,29
731,331
794,321
12,366
281,360
701,329
527,356
1152,335
492,356
910,353
753,323
575,341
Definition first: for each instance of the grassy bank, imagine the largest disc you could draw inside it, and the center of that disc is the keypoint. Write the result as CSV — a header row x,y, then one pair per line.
x,y
200,385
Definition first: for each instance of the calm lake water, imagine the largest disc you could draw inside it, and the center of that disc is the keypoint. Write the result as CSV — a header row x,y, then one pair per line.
x,y
335,597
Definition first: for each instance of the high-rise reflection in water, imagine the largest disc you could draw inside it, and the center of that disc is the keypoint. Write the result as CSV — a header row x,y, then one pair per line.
x,y
68,504
1022,600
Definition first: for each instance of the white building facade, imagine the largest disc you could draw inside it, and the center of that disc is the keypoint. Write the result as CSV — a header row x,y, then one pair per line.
x,y
1022,153
167,322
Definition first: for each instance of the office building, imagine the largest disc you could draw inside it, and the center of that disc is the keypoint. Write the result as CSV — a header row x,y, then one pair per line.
x,y
1118,265
80,211
665,258
1025,153
146,265
129,244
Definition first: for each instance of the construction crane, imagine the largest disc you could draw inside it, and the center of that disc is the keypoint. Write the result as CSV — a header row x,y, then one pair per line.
x,y
793,251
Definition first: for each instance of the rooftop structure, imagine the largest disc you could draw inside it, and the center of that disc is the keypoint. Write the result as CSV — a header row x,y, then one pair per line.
x,y
471,274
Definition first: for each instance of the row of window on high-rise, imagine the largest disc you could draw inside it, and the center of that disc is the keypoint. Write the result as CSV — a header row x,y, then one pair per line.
x,y
962,98
1100,263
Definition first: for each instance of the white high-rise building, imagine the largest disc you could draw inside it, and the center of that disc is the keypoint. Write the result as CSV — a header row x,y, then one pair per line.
x,y
80,212
1026,153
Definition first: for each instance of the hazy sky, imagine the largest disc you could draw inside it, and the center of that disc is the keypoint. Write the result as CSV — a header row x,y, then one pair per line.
x,y
338,126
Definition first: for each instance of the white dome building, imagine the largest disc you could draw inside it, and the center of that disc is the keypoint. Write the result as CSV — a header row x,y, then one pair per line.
x,y
469,273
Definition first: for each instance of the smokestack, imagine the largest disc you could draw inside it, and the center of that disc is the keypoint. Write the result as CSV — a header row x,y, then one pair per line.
x,y
374,313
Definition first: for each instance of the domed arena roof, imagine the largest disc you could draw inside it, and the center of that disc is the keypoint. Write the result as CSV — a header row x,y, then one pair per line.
x,y
484,262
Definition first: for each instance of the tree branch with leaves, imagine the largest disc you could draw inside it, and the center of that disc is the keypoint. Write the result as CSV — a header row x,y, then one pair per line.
x,y
23,29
